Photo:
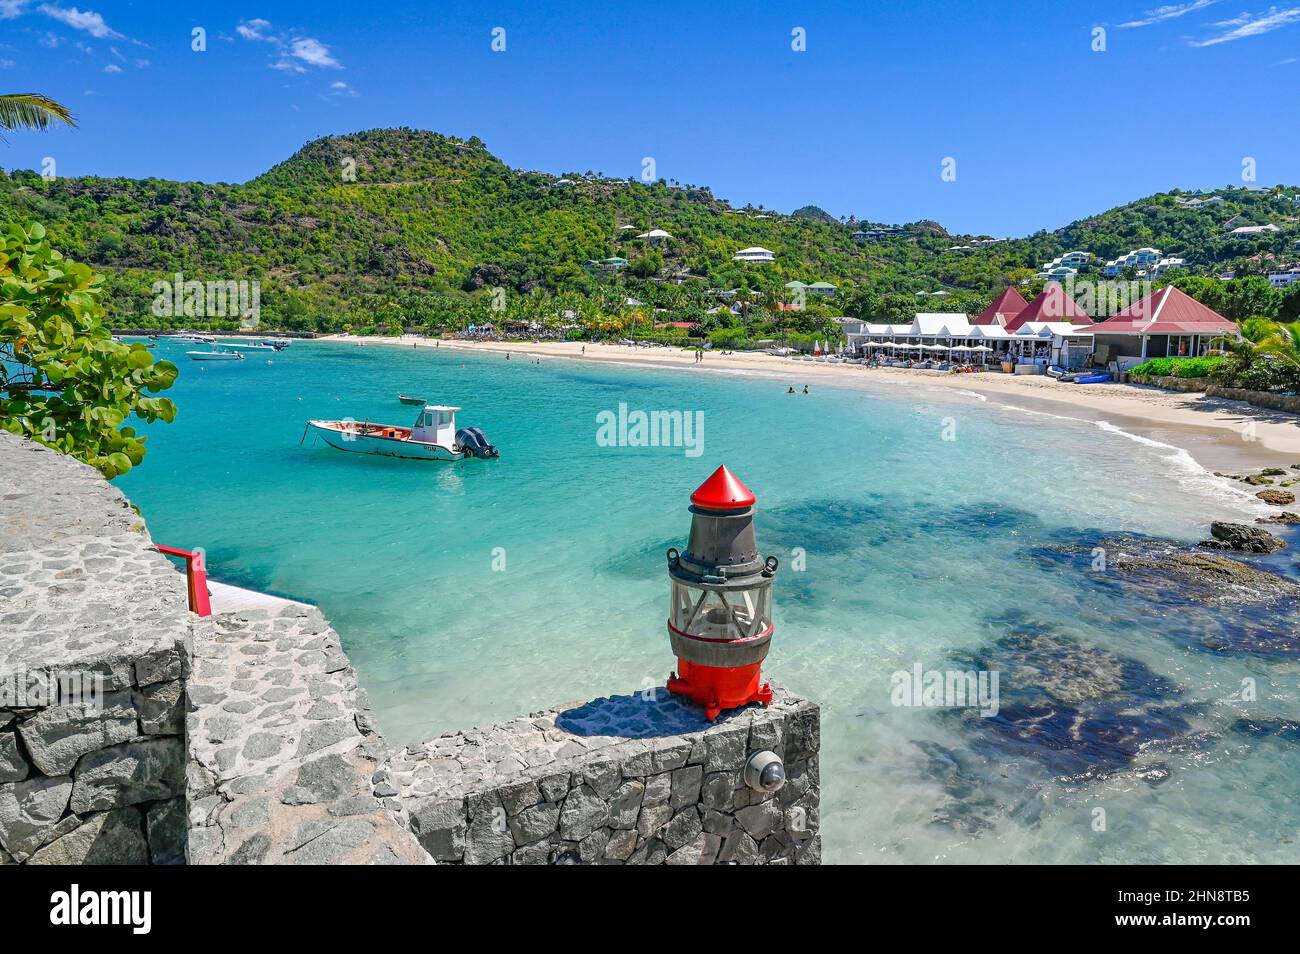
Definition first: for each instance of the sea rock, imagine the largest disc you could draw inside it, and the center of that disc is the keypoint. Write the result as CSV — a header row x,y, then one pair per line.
x,y
1278,498
1285,517
1242,538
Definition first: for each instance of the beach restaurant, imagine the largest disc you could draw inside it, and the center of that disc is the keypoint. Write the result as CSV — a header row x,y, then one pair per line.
x,y
1043,332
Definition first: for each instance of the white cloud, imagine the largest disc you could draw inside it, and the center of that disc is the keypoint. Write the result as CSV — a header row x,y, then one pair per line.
x,y
11,8
7,64
294,50
89,20
313,52
1252,24
112,68
255,29
1169,12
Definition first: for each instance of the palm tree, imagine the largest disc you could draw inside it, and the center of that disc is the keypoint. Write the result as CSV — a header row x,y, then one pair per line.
x,y
31,111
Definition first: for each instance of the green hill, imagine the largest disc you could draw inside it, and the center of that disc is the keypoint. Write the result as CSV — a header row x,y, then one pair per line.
x,y
403,226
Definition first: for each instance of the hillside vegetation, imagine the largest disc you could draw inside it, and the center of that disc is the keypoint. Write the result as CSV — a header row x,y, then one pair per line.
x,y
406,227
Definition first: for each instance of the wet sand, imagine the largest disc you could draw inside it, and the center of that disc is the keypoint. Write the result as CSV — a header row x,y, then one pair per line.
x,y
1224,436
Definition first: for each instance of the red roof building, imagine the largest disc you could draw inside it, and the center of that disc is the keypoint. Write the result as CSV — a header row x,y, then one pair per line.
x,y
1167,312
1165,324
1004,308
677,324
1052,304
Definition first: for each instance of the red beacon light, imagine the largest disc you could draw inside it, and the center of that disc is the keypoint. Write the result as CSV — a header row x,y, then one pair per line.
x,y
720,623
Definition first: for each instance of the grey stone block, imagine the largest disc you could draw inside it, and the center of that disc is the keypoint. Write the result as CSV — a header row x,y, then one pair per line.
x,y
59,735
105,838
143,771
29,810
13,767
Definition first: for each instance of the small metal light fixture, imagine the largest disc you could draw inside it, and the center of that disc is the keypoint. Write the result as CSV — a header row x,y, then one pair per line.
x,y
720,620
765,772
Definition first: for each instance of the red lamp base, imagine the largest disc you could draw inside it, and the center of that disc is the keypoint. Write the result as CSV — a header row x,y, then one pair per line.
x,y
717,688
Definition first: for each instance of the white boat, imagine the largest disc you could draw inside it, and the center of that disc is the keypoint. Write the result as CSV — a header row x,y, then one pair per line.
x,y
433,436
215,356
242,346
277,343
193,336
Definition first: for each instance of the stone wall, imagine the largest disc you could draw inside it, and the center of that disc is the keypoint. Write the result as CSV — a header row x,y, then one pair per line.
x,y
93,636
1276,402
239,738
637,779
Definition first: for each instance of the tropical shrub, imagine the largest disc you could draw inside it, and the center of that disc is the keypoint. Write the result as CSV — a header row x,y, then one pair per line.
x,y
1179,367
64,381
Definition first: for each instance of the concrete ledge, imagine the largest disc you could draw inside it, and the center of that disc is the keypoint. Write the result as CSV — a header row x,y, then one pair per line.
x,y
635,779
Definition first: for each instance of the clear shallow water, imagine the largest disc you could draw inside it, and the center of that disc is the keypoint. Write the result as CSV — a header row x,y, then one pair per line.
x,y
918,550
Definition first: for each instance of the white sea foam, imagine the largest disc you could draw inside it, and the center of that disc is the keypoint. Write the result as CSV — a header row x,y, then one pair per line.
x,y
1194,473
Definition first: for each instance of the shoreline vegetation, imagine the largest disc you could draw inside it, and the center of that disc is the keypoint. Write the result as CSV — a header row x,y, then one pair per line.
x,y
1222,436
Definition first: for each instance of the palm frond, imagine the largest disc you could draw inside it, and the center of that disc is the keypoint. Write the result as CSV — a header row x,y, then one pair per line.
x,y
32,111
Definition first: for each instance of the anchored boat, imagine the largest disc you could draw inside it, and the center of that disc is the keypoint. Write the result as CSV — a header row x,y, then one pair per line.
x,y
407,399
215,355
433,436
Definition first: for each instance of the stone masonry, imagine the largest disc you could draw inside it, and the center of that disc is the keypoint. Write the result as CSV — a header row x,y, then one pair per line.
x,y
92,776
636,779
241,738
285,764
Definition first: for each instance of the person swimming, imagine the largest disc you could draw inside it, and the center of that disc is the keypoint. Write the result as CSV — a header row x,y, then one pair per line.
x,y
791,391
805,389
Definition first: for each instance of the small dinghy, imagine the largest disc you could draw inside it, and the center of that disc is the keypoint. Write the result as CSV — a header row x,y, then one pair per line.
x,y
1095,378
215,355
407,399
433,437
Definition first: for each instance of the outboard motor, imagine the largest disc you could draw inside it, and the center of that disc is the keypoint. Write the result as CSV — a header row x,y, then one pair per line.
x,y
474,441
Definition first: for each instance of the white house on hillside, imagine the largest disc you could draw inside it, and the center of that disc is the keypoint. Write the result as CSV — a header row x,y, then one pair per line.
x,y
756,254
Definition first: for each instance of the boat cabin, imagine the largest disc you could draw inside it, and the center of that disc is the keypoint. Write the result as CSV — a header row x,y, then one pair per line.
x,y
436,425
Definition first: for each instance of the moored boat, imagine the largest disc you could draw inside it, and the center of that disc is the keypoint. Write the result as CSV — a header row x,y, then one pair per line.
x,y
214,355
433,436
407,399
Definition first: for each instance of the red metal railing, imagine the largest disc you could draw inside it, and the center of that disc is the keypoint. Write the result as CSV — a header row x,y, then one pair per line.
x,y
196,578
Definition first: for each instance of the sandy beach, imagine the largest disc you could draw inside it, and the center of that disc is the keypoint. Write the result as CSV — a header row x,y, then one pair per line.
x,y
1224,436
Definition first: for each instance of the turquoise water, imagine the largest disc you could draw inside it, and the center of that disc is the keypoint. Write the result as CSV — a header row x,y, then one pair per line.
x,y
467,593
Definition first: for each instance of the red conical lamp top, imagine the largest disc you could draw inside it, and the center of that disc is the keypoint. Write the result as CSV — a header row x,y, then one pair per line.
x,y
723,491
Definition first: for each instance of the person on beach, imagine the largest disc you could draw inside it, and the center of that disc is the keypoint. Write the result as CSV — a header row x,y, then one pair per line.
x,y
584,349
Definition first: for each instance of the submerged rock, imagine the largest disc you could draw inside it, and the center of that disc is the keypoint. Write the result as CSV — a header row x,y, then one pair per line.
x,y
1286,517
1242,538
1077,712
1279,498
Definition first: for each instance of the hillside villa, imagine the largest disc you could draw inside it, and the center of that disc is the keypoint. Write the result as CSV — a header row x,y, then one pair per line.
x,y
755,254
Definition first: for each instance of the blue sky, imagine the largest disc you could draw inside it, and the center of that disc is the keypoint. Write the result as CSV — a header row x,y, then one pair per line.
x,y
1043,128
